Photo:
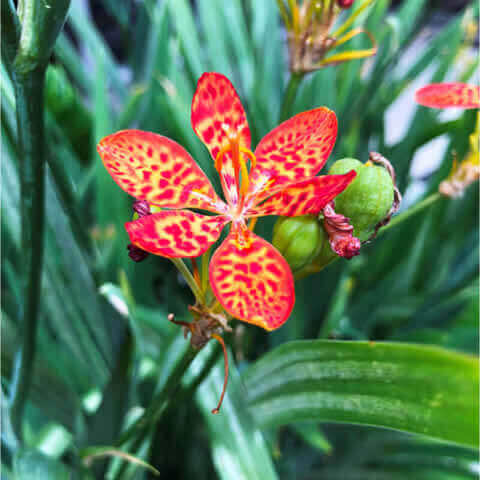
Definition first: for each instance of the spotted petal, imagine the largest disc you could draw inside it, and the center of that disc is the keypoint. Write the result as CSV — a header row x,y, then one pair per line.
x,y
216,109
297,149
156,169
175,233
444,95
305,197
252,281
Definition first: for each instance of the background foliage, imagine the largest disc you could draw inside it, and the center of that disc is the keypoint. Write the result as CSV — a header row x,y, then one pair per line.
x,y
106,354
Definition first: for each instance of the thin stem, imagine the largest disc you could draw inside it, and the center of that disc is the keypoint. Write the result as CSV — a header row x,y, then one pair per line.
x,y
182,268
160,402
30,128
219,339
410,212
204,267
290,95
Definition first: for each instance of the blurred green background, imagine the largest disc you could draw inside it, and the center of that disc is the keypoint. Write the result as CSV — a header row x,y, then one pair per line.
x,y
106,354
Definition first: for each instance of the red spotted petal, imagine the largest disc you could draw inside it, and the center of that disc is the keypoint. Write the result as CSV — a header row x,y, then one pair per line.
x,y
297,149
175,233
444,95
252,281
216,108
156,169
305,197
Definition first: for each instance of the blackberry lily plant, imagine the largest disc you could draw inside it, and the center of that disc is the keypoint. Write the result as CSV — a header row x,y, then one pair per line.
x,y
460,95
248,276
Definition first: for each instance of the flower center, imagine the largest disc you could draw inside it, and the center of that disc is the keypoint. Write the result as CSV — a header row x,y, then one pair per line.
x,y
239,157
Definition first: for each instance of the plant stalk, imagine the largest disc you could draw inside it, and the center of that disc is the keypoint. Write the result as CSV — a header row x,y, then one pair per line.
x,y
410,212
30,109
290,95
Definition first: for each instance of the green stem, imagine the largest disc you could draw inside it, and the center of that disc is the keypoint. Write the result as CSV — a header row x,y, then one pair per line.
x,y
194,287
290,95
410,212
161,401
30,127
204,273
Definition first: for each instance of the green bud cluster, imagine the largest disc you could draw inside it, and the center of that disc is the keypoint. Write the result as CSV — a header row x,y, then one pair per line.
x,y
365,202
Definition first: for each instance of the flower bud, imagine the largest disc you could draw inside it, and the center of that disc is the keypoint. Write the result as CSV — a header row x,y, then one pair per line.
x,y
142,208
345,3
298,239
368,199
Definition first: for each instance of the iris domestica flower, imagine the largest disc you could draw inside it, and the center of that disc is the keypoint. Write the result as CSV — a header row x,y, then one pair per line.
x,y
460,95
446,95
249,277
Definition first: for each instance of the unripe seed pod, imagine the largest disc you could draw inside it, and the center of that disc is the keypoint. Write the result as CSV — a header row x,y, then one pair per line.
x,y
368,199
298,239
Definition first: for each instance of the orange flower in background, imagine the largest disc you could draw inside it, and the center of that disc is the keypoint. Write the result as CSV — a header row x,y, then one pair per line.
x,y
446,95
249,277
460,95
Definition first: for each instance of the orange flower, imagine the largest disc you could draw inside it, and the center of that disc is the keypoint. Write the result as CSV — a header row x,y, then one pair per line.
x,y
460,95
445,95
249,277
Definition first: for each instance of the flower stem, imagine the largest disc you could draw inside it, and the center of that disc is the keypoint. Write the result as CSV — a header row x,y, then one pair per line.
x,y
204,270
290,95
30,126
194,287
411,211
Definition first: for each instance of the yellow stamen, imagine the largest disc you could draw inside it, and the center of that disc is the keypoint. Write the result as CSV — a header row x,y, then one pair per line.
x,y
238,161
252,223
250,155
219,158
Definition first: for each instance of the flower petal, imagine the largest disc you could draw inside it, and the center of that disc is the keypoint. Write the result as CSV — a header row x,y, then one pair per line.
x,y
216,108
251,280
156,169
297,149
444,95
175,233
305,197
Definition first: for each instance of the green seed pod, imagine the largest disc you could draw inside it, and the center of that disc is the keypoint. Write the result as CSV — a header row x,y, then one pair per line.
x,y
298,239
368,199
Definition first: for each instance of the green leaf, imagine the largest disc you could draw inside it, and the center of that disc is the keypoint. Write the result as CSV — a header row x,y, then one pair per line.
x,y
238,447
424,390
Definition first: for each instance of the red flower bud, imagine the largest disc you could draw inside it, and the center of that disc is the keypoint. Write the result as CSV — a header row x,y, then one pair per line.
x,y
136,254
340,233
345,3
